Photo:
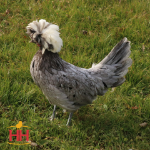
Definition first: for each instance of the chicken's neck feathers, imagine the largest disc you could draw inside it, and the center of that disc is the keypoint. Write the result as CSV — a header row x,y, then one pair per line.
x,y
50,60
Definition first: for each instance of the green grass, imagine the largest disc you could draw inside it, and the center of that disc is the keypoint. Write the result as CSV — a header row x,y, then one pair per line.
x,y
111,122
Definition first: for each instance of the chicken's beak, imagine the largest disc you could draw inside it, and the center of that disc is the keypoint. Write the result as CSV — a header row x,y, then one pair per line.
x,y
38,39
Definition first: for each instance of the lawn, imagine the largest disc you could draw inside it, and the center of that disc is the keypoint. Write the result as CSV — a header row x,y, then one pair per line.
x,y
89,29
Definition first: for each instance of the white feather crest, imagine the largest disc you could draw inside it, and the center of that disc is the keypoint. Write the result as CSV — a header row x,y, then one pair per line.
x,y
49,34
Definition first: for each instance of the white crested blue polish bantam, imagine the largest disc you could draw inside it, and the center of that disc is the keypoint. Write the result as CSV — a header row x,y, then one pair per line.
x,y
69,86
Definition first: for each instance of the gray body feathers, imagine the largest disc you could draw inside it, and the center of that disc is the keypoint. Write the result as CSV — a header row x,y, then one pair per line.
x,y
71,87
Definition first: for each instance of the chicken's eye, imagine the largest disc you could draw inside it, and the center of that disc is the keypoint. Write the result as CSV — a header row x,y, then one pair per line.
x,y
32,31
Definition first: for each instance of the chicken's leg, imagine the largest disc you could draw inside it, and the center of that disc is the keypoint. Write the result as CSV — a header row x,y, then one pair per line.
x,y
69,119
53,115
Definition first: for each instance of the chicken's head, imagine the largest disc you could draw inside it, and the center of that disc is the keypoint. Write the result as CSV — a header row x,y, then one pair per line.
x,y
45,35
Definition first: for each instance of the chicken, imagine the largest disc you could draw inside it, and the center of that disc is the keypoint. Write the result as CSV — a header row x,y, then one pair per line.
x,y
19,125
69,86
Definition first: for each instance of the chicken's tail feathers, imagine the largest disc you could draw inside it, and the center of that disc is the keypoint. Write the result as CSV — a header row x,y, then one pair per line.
x,y
115,65
119,53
